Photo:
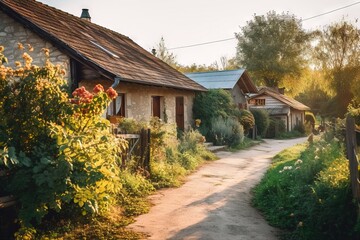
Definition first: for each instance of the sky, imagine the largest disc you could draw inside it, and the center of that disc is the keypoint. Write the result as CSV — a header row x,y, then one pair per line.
x,y
188,22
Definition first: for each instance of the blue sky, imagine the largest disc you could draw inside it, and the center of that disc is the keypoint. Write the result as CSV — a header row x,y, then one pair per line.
x,y
188,22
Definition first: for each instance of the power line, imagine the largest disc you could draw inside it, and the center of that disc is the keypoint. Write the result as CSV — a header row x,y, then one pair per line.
x,y
322,14
233,38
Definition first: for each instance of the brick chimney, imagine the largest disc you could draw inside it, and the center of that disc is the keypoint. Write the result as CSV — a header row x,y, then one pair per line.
x,y
85,15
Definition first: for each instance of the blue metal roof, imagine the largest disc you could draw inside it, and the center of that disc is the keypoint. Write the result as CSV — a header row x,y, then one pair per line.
x,y
217,79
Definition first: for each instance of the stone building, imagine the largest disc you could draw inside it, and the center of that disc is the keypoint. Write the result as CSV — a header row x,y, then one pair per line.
x,y
92,54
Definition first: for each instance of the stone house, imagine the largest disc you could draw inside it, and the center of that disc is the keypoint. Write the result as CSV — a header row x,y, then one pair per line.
x,y
279,106
237,82
92,54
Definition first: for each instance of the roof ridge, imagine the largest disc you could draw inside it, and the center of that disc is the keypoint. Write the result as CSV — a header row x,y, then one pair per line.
x,y
233,70
85,22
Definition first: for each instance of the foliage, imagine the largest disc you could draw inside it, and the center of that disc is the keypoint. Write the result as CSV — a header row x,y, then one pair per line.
x,y
60,150
300,127
262,120
246,119
227,131
161,52
218,102
276,128
338,55
316,98
130,125
307,192
271,47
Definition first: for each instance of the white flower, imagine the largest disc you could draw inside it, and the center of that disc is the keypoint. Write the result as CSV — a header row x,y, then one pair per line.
x,y
299,161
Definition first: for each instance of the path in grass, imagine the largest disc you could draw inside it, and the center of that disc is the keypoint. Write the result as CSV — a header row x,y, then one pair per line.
x,y
214,203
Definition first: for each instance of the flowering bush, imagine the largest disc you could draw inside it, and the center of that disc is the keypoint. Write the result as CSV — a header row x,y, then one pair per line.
x,y
61,152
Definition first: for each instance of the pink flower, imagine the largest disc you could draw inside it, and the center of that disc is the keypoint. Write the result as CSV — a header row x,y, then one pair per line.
x,y
112,94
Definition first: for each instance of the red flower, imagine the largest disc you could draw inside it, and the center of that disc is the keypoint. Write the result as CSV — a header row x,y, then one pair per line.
x,y
98,88
83,95
79,91
112,94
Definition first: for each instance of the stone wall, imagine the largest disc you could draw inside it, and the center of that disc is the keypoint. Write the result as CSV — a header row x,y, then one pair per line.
x,y
12,33
138,100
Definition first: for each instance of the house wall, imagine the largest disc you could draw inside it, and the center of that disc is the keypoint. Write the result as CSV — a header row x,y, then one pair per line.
x,y
12,33
238,96
296,116
138,103
271,102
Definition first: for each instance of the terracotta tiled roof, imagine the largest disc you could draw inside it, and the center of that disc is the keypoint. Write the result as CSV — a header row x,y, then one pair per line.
x,y
110,53
282,98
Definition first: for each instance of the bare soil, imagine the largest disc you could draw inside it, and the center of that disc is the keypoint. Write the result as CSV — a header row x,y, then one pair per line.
x,y
214,203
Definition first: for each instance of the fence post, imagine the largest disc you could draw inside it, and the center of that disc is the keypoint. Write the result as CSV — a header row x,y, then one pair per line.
x,y
147,158
351,155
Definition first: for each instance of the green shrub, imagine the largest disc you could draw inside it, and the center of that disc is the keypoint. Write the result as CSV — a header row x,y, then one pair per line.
x,y
307,193
166,175
276,128
130,125
212,104
227,132
300,127
262,120
246,119
191,141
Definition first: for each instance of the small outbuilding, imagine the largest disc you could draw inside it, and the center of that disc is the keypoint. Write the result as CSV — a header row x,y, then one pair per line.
x,y
237,82
279,106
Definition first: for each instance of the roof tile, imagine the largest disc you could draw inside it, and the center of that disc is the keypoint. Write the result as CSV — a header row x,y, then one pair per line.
x,y
133,64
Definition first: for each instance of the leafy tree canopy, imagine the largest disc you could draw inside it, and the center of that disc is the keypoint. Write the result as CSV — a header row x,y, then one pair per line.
x,y
272,47
338,55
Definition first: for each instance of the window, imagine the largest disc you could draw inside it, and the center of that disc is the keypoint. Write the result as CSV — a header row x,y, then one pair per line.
x,y
260,102
117,106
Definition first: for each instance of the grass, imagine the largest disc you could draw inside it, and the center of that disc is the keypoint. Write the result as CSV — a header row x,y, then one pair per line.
x,y
246,143
307,193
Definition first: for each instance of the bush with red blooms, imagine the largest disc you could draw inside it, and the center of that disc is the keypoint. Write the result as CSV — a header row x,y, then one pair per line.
x,y
61,152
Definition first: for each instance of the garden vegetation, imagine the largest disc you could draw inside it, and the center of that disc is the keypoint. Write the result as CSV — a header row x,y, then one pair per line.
x,y
307,192
64,162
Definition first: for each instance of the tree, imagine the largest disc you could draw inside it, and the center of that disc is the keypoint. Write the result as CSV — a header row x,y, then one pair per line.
x,y
161,52
272,47
210,105
338,55
316,98
198,68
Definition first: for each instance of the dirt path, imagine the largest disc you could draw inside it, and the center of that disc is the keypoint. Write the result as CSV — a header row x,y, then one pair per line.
x,y
214,203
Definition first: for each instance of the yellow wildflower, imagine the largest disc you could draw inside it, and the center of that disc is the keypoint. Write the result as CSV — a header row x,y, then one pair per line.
x,y
1,48
18,64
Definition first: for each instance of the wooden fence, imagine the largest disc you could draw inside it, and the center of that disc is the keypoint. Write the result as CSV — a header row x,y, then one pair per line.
x,y
138,149
351,146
